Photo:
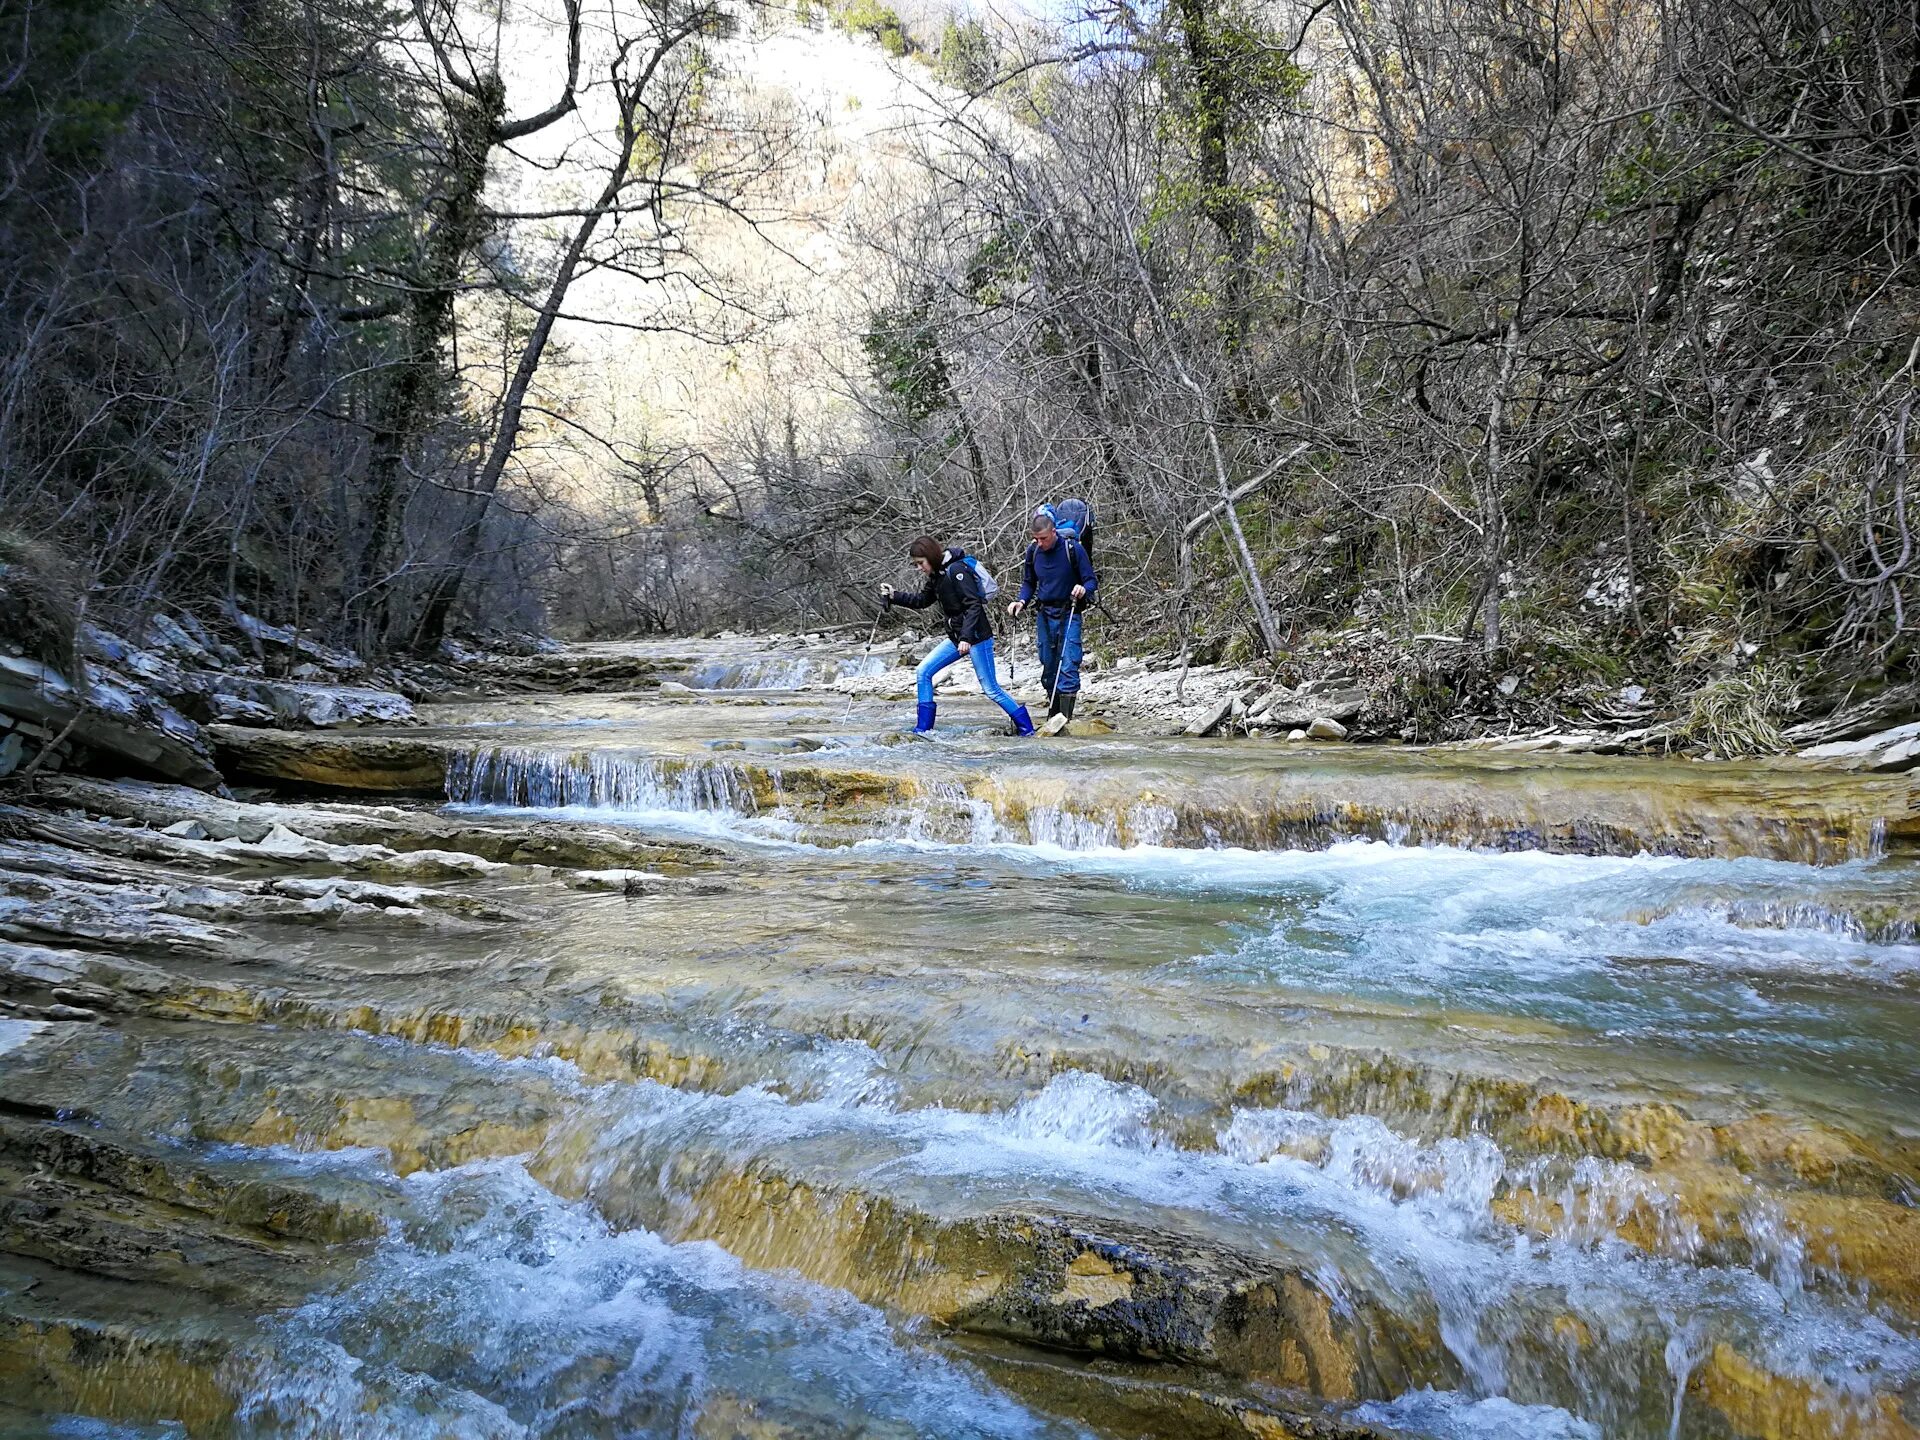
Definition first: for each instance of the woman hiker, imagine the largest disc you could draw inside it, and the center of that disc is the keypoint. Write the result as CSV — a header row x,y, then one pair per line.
x,y
952,582
1057,577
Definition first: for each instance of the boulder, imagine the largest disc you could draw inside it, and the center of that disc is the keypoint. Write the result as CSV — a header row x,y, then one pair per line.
x,y
1302,710
232,709
305,704
1329,685
1325,728
1213,717
1895,750
169,636
293,646
113,716
150,668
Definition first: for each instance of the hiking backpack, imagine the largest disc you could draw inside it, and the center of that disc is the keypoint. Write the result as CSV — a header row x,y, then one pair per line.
x,y
1074,518
989,587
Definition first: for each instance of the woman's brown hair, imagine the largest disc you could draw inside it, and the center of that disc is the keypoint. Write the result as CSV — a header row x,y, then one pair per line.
x,y
926,548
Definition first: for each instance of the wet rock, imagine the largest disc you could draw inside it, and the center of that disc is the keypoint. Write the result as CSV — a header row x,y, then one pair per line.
x,y
1325,728
380,764
100,1366
629,882
373,838
391,898
1118,1399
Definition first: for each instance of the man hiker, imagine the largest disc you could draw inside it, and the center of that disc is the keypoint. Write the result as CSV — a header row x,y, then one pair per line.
x,y
1057,577
954,584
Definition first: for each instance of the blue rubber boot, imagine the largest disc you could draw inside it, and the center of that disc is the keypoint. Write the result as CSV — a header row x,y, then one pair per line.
x,y
1022,722
925,722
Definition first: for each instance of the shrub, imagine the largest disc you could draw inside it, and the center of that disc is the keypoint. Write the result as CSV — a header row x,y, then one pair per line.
x,y
39,601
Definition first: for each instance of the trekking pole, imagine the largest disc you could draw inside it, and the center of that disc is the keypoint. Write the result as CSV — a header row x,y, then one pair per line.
x,y
865,651
1060,660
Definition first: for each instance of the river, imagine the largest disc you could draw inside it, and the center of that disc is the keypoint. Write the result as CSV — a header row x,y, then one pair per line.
x,y
776,1074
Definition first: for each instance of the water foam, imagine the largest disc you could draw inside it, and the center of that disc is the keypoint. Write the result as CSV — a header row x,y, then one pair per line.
x,y
495,1309
1411,1224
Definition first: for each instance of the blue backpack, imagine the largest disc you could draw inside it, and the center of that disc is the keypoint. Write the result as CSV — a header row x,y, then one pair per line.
x,y
989,587
1073,518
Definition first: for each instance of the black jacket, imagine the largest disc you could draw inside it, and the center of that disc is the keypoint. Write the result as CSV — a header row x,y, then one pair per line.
x,y
957,589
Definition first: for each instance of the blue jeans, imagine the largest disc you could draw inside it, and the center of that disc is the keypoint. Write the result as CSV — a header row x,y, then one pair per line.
x,y
982,655
1058,639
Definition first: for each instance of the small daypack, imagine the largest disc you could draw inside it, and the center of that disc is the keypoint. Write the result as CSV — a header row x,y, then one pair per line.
x,y
989,587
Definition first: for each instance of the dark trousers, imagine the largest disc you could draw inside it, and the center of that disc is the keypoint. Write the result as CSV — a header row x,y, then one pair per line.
x,y
1058,639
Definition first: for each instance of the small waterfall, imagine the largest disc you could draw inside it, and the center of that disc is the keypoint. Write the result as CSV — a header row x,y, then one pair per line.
x,y
784,671
533,779
1869,924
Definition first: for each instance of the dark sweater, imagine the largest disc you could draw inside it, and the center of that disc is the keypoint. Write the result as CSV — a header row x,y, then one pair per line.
x,y
1050,575
957,589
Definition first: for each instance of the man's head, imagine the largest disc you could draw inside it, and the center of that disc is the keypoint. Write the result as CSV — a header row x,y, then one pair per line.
x,y
925,553
1044,532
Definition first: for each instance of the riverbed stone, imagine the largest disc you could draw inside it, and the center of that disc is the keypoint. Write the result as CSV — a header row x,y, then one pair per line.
x,y
1195,1325
1213,717
1897,749
383,764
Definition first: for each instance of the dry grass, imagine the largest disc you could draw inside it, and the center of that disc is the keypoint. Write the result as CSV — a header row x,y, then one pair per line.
x,y
39,601
1741,714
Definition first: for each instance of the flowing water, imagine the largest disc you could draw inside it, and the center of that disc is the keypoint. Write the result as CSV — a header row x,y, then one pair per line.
x,y
961,1087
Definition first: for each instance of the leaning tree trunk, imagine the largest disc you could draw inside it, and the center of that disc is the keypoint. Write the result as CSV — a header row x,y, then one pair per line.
x,y
432,626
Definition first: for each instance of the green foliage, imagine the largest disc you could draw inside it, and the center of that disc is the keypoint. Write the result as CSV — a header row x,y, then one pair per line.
x,y
904,353
968,59
998,267
76,84
873,19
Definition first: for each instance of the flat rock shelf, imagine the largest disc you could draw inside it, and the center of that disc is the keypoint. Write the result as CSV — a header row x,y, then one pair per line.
x,y
712,1059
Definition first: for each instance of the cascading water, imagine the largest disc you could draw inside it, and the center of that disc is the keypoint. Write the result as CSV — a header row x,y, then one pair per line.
x,y
532,779
803,1079
784,671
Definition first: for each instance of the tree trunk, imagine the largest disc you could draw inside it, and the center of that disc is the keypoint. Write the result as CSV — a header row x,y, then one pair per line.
x,y
406,401
432,626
